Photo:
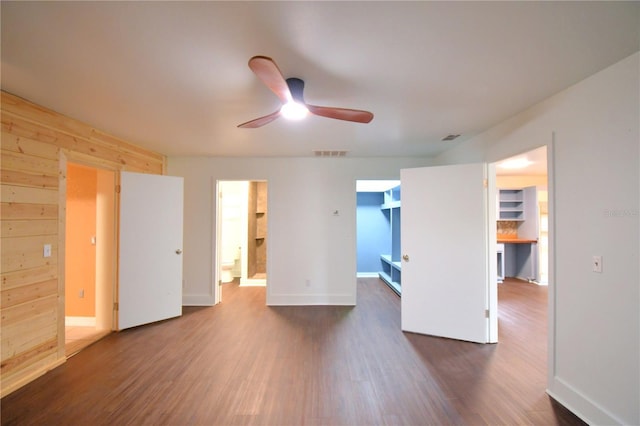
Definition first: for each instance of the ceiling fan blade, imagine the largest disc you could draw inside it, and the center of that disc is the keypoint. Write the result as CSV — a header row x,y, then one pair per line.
x,y
346,114
267,71
259,122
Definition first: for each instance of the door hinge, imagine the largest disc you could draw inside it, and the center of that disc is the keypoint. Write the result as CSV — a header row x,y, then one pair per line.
x,y
116,306
117,189
486,313
219,282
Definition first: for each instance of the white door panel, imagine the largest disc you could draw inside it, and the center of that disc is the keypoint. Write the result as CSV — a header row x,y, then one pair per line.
x,y
150,248
445,236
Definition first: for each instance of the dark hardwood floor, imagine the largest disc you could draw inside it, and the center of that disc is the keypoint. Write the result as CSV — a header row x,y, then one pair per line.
x,y
241,362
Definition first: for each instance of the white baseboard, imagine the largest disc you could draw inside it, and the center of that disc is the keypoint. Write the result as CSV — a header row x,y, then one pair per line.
x,y
198,300
367,275
580,405
310,299
253,282
80,321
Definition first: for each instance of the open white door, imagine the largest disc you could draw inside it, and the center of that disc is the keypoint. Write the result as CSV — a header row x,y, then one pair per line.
x,y
150,249
445,238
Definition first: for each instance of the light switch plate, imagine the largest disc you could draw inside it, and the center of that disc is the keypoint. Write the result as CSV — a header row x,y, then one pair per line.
x,y
597,264
46,251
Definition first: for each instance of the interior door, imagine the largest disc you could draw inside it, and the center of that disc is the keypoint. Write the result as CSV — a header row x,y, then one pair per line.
x,y
445,238
150,249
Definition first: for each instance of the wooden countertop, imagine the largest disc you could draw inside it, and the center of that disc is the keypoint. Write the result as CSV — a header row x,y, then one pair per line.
x,y
515,241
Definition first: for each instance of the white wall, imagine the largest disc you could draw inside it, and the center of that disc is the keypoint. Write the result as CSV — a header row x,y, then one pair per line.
x,y
595,200
233,212
306,241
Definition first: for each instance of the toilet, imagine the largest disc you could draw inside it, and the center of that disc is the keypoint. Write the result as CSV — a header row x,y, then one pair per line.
x,y
227,271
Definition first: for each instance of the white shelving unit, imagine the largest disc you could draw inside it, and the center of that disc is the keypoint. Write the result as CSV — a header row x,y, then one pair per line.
x,y
511,204
391,271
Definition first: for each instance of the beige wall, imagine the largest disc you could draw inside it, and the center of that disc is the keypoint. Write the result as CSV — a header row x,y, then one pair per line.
x,y
36,144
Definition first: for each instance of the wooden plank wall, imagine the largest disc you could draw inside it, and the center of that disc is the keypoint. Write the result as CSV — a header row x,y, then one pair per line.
x,y
36,142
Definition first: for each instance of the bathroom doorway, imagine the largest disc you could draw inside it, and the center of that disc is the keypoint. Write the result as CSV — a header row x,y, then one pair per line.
x,y
242,217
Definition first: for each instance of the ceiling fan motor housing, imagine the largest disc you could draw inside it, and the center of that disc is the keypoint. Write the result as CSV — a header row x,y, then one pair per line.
x,y
296,87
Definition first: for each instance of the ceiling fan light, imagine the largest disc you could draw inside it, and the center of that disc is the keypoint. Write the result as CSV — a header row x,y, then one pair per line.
x,y
294,111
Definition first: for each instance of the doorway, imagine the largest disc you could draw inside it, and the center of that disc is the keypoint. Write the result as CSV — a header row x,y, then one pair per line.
x,y
242,232
523,214
89,255
522,195
377,231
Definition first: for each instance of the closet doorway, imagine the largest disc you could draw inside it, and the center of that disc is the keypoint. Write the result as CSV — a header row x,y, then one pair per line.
x,y
242,233
89,243
377,230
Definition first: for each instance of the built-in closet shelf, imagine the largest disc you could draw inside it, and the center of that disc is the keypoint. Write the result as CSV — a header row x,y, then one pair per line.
x,y
390,205
387,258
511,204
390,269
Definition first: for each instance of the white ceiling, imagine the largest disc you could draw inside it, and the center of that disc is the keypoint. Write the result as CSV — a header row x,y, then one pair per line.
x,y
173,76
535,160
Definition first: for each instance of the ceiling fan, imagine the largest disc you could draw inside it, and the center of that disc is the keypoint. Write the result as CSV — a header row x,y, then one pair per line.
x,y
289,92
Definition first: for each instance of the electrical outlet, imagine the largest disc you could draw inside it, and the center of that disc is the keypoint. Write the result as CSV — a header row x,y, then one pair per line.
x,y
46,251
597,264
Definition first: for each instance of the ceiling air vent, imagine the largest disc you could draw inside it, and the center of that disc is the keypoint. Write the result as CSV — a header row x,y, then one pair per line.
x,y
323,153
450,137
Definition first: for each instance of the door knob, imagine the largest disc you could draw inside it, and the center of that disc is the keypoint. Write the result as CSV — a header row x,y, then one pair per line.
x,y
405,257
178,251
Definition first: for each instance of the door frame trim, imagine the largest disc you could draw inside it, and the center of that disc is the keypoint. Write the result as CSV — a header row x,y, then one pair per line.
x,y
216,237
64,158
